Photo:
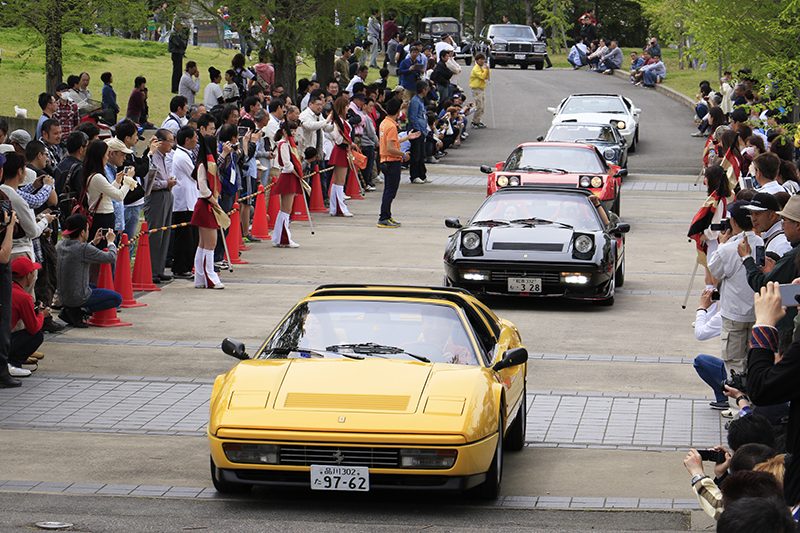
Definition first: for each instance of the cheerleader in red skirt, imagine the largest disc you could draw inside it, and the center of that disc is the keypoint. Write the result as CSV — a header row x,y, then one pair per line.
x,y
288,183
340,157
207,214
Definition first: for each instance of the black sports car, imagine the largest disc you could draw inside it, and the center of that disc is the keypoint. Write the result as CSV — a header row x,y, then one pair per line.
x,y
538,241
605,137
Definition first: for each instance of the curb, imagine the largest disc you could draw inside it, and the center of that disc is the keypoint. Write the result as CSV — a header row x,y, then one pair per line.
x,y
660,87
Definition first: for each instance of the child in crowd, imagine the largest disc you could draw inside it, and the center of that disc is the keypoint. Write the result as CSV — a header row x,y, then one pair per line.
x,y
230,92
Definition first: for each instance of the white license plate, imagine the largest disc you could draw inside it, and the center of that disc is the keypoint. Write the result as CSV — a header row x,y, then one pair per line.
x,y
519,56
524,284
349,478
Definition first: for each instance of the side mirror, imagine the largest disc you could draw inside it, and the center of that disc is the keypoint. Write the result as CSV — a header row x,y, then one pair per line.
x,y
636,110
452,223
552,110
540,138
486,169
234,348
620,228
512,357
621,173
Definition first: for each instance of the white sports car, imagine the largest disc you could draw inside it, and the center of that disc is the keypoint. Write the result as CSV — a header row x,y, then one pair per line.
x,y
601,109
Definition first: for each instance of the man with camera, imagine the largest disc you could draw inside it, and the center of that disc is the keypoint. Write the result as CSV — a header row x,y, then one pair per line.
x,y
784,270
736,296
764,215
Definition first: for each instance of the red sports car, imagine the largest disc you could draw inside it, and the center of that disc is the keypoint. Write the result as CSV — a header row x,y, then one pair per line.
x,y
559,164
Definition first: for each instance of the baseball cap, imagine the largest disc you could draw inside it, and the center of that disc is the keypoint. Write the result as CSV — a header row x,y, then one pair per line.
x,y
75,224
22,266
763,201
739,213
115,145
21,137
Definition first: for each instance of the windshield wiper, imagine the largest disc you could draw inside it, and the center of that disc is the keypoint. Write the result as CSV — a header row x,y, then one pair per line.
x,y
320,353
534,221
490,223
370,348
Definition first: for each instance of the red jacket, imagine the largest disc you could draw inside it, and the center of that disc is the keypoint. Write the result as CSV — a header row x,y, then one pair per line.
x,y
22,309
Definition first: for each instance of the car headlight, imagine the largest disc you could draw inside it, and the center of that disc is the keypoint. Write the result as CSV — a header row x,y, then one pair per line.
x,y
597,182
585,182
576,278
427,458
251,453
502,181
474,275
583,244
471,241
513,181
499,47
610,154
621,125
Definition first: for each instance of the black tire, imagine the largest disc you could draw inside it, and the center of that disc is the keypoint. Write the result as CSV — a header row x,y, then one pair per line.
x,y
515,440
539,65
490,489
467,61
634,142
524,66
616,206
227,487
446,282
619,277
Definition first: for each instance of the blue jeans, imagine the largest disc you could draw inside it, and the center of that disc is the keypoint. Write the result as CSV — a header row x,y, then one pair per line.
x,y
132,214
391,181
649,78
711,370
102,299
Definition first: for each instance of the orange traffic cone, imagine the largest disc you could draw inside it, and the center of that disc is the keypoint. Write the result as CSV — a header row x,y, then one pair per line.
x,y
299,208
273,207
122,279
353,189
317,204
234,236
107,318
260,229
142,270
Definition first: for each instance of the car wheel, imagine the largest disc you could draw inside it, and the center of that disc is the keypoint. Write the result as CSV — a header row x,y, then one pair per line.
x,y
523,66
516,433
619,277
490,489
634,142
539,65
227,487
616,206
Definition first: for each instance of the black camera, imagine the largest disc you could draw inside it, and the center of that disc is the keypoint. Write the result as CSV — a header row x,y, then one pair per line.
x,y
724,225
718,456
5,209
326,109
736,381
715,295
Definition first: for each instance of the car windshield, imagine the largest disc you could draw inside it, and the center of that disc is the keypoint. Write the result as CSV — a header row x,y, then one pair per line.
x,y
505,32
444,27
544,158
581,132
593,104
360,329
541,208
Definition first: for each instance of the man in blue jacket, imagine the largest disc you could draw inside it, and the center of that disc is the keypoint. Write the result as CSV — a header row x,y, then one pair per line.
x,y
409,72
418,121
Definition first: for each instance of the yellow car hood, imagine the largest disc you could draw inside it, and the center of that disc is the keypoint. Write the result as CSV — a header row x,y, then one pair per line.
x,y
341,395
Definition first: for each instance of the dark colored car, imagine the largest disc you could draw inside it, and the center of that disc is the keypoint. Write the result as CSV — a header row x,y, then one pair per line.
x,y
605,137
435,29
538,241
511,44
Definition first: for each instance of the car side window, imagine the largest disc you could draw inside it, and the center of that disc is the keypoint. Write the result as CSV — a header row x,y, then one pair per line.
x,y
486,338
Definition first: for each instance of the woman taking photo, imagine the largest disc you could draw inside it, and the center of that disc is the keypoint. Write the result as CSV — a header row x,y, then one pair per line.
x,y
288,183
340,157
207,215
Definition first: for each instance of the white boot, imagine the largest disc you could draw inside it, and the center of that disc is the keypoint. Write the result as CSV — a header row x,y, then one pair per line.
x,y
199,268
338,207
281,236
212,278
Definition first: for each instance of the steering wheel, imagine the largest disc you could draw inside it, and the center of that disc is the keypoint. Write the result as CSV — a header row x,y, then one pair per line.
x,y
425,349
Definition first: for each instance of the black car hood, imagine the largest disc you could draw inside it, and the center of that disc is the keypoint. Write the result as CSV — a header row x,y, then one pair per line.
x,y
523,238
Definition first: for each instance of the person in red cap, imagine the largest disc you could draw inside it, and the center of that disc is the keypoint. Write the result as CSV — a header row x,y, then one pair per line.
x,y
26,320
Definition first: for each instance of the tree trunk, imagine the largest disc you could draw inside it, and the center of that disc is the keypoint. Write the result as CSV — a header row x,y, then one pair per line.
x,y
285,53
323,60
53,59
478,17
461,18
529,12
555,26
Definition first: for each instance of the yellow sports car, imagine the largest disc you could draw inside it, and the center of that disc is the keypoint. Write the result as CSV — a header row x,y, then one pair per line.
x,y
373,387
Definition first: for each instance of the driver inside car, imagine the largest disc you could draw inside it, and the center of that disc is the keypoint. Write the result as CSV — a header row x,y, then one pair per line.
x,y
442,332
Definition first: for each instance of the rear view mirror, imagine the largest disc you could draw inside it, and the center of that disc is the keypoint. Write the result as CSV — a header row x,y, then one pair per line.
x,y
235,349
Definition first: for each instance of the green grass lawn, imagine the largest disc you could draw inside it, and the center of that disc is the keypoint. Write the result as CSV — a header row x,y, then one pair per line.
x,y
23,69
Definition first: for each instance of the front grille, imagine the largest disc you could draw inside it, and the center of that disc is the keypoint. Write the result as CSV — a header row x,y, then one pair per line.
x,y
528,246
301,455
503,275
520,47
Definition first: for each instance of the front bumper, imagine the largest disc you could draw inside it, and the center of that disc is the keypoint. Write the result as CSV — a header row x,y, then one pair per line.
x,y
599,286
515,59
469,470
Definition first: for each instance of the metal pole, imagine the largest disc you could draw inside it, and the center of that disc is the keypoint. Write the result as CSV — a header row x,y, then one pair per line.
x,y
305,200
227,253
691,282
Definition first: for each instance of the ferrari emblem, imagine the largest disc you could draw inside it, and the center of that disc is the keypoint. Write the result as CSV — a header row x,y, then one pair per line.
x,y
341,419
338,457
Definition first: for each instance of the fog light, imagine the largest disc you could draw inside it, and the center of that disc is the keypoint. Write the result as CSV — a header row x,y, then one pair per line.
x,y
585,181
473,275
427,458
251,453
514,181
574,278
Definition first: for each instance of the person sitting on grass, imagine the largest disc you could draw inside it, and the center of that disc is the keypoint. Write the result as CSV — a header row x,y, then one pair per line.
x,y
75,255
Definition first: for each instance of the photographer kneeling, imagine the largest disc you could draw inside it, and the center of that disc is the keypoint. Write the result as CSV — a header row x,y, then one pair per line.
x,y
75,256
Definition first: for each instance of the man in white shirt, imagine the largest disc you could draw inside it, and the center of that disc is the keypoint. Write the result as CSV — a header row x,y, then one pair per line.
x,y
444,44
158,204
312,125
736,295
711,369
185,194
360,77
177,113
766,167
764,214
189,85
313,85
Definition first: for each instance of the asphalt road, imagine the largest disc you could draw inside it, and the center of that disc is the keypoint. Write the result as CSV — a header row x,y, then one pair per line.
x,y
626,368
